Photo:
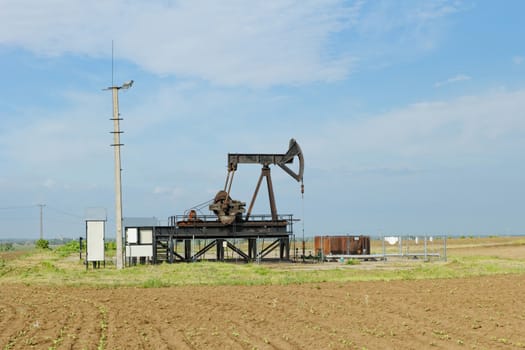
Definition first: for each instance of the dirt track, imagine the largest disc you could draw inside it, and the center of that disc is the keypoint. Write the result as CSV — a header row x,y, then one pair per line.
x,y
481,313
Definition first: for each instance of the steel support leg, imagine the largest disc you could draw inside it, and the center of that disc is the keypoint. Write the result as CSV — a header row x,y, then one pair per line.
x,y
252,248
220,250
284,249
187,249
170,251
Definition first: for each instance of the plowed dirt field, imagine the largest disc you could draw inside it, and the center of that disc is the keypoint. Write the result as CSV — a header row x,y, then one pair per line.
x,y
471,313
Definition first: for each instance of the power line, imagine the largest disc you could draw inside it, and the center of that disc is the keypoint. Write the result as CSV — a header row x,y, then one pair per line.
x,y
55,209
64,212
18,207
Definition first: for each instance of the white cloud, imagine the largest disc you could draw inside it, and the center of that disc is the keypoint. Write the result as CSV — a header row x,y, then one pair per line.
x,y
255,43
437,9
397,29
422,133
40,141
386,16
171,192
455,79
518,60
49,183
235,42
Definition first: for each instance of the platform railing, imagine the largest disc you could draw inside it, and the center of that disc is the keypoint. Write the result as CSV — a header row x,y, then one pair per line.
x,y
174,219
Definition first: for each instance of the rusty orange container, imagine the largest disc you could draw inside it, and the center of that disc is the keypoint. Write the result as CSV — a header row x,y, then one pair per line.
x,y
342,245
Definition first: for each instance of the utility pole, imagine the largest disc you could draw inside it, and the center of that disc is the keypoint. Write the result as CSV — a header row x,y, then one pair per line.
x,y
118,186
41,220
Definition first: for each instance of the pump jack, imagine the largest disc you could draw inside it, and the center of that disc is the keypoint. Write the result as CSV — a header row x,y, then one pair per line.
x,y
228,225
229,210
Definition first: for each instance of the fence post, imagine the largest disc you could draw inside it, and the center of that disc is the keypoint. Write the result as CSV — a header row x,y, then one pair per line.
x,y
445,248
426,247
384,249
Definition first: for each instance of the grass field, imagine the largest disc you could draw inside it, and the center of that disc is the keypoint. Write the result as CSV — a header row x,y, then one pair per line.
x,y
466,257
49,300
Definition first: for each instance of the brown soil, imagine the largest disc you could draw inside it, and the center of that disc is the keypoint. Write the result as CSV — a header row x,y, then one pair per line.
x,y
12,254
481,313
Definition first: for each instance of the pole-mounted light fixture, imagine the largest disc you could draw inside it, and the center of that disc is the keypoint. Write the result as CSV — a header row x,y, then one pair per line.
x,y
127,85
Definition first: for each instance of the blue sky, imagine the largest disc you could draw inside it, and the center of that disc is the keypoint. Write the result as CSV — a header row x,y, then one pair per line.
x,y
410,114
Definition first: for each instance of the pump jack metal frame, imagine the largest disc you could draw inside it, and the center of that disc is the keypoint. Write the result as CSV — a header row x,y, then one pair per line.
x,y
266,159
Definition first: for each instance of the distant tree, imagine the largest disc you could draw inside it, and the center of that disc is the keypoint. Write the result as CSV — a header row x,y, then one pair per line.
x,y
42,244
5,247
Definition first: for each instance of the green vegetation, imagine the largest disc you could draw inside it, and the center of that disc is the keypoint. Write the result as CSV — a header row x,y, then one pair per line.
x,y
111,245
69,248
50,268
42,244
6,247
353,262
62,266
103,328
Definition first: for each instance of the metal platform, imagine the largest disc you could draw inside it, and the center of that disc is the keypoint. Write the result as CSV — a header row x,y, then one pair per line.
x,y
241,237
208,226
